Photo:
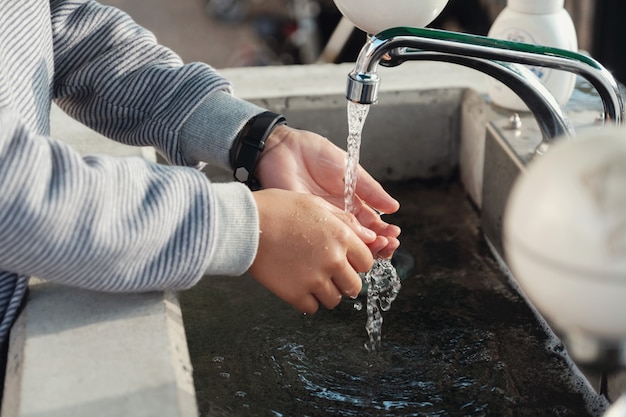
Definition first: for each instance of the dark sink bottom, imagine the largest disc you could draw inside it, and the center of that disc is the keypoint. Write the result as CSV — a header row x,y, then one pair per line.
x,y
458,341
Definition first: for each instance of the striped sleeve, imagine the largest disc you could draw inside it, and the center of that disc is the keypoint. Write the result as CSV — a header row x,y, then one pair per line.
x,y
113,76
103,223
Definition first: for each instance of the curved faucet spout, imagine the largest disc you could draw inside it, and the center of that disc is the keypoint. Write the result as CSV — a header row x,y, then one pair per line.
x,y
491,56
550,117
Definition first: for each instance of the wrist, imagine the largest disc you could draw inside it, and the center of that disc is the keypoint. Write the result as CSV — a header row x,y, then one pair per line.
x,y
210,130
247,148
275,138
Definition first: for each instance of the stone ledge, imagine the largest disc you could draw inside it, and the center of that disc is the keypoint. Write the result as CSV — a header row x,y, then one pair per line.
x,y
75,352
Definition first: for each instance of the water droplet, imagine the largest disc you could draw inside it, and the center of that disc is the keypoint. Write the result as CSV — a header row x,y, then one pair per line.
x,y
358,306
225,375
217,359
241,394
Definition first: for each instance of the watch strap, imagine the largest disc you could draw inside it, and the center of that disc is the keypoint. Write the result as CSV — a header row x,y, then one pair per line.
x,y
249,144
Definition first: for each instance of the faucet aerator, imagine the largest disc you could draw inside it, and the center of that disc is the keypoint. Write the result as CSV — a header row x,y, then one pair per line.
x,y
362,88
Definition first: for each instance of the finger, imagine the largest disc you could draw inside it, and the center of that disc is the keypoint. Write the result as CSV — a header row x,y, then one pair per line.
x,y
371,219
329,296
364,213
366,235
375,246
388,251
358,253
307,305
347,281
389,230
378,245
382,228
360,257
367,216
373,193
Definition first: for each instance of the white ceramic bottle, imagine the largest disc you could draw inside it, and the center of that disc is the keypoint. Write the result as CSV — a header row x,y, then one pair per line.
x,y
539,22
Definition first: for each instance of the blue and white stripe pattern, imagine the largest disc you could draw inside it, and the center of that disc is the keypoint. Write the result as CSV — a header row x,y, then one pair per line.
x,y
109,224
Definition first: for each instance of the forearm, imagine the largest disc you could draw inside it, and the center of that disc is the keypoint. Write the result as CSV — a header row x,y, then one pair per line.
x,y
115,224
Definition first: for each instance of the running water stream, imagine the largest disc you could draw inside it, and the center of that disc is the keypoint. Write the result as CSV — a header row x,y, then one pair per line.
x,y
383,283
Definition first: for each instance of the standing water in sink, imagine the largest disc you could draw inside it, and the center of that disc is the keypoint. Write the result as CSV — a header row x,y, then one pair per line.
x,y
383,283
459,340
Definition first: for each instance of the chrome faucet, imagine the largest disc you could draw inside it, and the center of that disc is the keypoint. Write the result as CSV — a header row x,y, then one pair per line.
x,y
497,58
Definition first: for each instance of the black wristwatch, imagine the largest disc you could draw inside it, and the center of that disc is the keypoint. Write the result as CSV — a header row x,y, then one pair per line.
x,y
244,155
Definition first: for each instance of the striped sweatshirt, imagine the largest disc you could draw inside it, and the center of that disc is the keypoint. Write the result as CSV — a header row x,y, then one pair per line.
x,y
104,223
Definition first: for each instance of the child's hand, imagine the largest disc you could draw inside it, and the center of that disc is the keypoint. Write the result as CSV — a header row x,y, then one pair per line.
x,y
306,162
309,250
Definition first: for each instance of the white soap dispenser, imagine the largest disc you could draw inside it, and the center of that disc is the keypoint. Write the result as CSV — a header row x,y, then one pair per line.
x,y
538,22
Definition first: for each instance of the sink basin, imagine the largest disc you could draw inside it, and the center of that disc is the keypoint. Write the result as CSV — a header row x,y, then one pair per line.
x,y
459,339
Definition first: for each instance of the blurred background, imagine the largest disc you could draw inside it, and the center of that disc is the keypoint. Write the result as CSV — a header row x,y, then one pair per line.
x,y
237,33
